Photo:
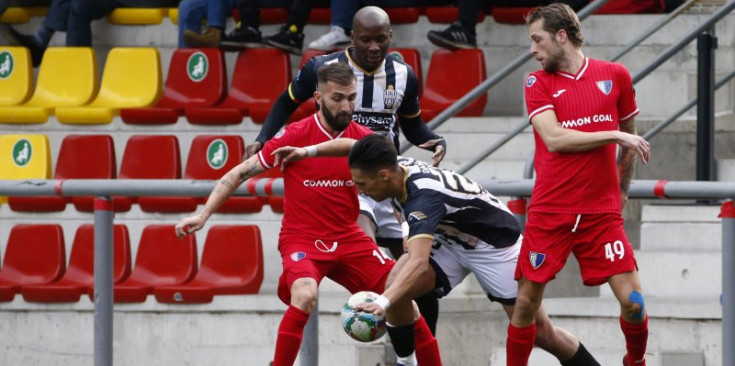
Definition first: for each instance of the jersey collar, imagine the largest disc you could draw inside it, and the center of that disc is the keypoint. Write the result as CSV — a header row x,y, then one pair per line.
x,y
579,73
404,195
324,130
367,73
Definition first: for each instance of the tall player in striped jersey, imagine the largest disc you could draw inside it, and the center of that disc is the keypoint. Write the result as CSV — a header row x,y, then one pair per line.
x,y
387,93
581,110
455,227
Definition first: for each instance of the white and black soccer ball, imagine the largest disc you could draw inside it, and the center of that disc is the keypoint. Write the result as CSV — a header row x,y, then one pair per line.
x,y
361,326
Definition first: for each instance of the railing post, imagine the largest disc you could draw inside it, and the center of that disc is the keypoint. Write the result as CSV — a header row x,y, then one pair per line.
x,y
706,45
728,283
103,283
309,351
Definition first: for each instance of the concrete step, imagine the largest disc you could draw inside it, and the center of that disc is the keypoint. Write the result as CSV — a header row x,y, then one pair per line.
x,y
667,227
540,357
726,170
466,145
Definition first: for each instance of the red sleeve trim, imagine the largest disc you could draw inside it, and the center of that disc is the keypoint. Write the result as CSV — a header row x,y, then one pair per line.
x,y
261,158
539,110
630,115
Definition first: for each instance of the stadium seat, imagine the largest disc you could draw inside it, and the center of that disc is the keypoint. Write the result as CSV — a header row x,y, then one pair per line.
x,y
15,14
24,157
80,157
53,89
260,75
173,15
162,260
403,15
34,255
79,277
447,14
452,74
152,157
196,78
412,57
267,15
16,75
137,16
276,202
514,15
131,79
320,16
232,264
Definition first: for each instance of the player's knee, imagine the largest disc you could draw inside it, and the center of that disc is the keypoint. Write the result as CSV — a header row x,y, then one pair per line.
x,y
526,307
635,306
304,298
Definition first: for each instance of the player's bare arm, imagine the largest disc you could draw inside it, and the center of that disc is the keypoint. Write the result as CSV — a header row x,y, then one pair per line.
x,y
626,161
223,189
290,154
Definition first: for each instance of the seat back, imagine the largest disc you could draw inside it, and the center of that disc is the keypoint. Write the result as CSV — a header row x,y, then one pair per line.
x,y
411,57
137,16
86,157
452,74
16,75
151,157
196,78
60,65
132,78
260,76
81,258
35,255
235,252
210,157
24,156
162,255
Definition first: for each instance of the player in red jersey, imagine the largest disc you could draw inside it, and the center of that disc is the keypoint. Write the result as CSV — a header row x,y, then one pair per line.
x,y
319,233
581,110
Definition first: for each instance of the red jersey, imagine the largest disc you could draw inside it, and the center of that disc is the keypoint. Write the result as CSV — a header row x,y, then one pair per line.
x,y
596,99
320,197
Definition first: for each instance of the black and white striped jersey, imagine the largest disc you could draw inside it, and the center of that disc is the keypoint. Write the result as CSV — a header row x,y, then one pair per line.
x,y
382,95
452,209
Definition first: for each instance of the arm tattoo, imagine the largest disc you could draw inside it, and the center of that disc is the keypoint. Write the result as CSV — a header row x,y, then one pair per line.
x,y
626,158
248,173
224,182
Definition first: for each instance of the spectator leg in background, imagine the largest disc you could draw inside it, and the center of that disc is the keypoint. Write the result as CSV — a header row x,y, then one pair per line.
x,y
191,14
81,15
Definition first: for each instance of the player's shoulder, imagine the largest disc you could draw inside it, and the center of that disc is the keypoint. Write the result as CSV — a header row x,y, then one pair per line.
x,y
297,127
356,130
616,67
537,77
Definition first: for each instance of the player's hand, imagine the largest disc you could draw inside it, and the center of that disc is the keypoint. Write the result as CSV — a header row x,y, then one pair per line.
x,y
637,144
623,200
289,154
189,225
251,150
370,307
439,150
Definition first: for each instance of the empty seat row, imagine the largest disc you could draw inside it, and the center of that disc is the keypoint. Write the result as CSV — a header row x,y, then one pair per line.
x,y
145,157
34,264
196,85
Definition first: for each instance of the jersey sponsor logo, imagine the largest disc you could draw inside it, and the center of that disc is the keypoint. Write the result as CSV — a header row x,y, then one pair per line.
x,y
280,133
605,86
22,152
328,183
217,154
297,256
558,93
375,121
416,216
197,67
537,259
389,97
579,122
530,81
7,64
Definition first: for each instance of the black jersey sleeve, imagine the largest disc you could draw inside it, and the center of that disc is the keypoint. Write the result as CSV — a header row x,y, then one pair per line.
x,y
410,105
303,85
423,210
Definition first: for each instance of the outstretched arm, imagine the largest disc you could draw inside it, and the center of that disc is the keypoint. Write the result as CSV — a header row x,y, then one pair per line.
x,y
222,191
336,147
419,134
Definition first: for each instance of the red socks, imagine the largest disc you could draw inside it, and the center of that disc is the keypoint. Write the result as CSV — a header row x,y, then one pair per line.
x,y
289,336
519,345
636,337
427,348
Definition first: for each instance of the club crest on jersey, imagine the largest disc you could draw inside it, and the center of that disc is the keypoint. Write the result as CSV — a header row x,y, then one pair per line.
x,y
537,259
605,86
297,256
530,81
280,133
389,97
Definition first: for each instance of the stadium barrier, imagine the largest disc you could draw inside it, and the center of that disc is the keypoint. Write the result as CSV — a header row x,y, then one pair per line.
x,y
103,234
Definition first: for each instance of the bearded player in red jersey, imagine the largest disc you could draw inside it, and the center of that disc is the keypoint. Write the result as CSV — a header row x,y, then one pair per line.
x,y
319,233
581,110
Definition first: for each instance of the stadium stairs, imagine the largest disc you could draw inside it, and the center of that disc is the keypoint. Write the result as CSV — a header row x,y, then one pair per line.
x,y
678,244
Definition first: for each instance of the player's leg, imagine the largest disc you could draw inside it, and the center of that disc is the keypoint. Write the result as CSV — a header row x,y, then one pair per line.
x,y
303,293
522,327
633,318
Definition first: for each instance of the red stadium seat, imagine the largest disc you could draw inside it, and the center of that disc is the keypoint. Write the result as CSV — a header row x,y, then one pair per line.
x,y
320,16
412,57
403,15
447,14
259,77
162,260
451,75
152,157
511,15
79,277
196,78
276,202
80,157
232,264
267,15
35,255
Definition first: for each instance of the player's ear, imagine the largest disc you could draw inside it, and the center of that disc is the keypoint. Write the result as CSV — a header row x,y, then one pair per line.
x,y
318,96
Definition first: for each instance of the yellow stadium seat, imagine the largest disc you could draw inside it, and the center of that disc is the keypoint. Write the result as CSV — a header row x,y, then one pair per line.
x,y
131,79
37,11
15,15
67,78
173,14
137,15
16,77
23,157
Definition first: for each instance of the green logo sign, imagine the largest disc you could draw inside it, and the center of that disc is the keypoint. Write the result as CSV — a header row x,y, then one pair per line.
x,y
217,154
22,152
197,67
7,63
397,55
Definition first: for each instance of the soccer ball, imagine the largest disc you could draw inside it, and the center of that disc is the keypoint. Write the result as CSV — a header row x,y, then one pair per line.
x,y
361,326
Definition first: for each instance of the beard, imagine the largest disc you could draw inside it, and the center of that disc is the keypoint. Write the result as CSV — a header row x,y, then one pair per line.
x,y
337,122
553,62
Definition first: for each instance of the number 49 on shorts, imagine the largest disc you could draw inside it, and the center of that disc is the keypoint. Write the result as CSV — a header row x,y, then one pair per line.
x,y
615,250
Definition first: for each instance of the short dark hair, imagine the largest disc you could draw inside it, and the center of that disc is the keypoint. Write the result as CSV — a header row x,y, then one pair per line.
x,y
337,72
558,16
372,153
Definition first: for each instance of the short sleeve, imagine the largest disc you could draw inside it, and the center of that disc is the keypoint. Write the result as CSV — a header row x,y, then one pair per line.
x,y
627,107
302,87
410,105
287,136
538,98
422,212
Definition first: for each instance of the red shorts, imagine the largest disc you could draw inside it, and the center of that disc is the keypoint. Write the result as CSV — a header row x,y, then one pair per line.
x,y
352,260
598,241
